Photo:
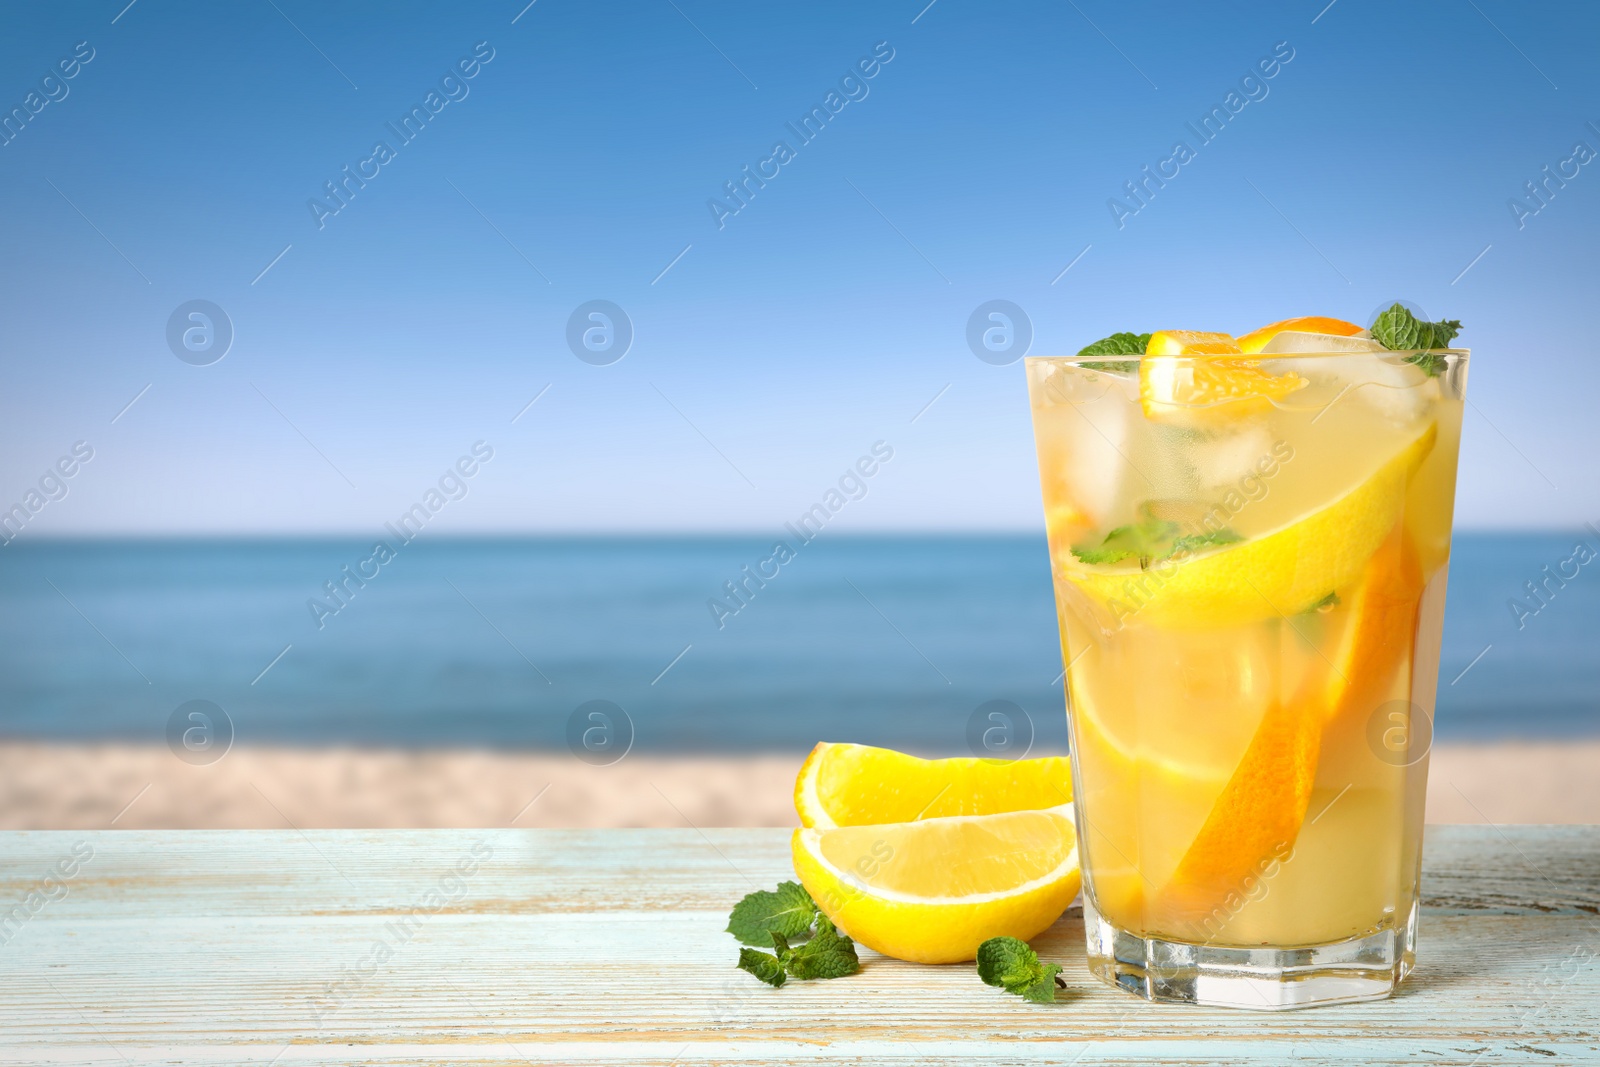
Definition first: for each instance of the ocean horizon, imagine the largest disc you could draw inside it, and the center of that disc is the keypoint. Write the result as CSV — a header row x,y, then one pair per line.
x,y
708,643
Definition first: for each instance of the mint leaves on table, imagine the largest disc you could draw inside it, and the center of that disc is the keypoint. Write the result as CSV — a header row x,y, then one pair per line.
x,y
788,911
1013,966
763,965
775,918
1151,539
1399,330
1118,344
829,954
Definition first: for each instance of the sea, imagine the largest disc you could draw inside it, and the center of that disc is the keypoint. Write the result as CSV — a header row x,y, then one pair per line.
x,y
916,642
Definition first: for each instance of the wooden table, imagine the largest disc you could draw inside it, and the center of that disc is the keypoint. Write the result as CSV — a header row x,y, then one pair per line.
x,y
606,947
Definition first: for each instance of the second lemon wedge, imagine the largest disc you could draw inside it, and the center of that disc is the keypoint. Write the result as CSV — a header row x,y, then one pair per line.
x,y
933,891
859,785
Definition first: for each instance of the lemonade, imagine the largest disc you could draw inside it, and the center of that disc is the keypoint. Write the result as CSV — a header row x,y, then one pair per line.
x,y
1249,540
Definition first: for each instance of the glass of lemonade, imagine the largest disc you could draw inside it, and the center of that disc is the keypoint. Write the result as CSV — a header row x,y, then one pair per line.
x,y
1250,555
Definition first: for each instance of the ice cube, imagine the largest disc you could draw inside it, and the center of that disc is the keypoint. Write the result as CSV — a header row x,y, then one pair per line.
x,y
1296,341
1226,458
1401,391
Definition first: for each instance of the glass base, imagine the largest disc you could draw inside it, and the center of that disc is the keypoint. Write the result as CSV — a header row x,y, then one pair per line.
x,y
1263,979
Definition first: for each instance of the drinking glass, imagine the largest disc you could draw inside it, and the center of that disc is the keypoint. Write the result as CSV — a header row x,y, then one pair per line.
x,y
1249,557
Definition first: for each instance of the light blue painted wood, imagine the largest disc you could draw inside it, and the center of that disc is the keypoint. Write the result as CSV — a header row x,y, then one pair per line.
x,y
606,947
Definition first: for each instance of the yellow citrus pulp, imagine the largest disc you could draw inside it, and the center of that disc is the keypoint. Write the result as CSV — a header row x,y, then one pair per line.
x,y
933,890
857,785
1283,572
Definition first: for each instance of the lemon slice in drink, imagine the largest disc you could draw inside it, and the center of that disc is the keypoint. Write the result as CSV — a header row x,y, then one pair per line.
x,y
933,891
857,785
1283,572
1199,698
1168,745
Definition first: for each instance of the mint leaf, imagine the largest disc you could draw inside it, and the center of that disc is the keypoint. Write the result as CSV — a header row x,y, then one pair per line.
x,y
1146,539
1398,330
829,954
774,917
1431,362
788,910
1209,539
1042,991
1011,965
1006,961
1151,539
1118,344
1097,556
1329,601
763,965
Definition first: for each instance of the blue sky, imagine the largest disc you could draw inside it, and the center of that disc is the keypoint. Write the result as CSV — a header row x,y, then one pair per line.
x,y
822,317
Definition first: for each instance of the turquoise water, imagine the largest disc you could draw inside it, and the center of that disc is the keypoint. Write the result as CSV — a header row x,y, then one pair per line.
x,y
890,640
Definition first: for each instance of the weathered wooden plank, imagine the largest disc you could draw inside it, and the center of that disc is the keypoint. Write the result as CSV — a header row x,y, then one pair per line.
x,y
606,947
1512,870
1539,870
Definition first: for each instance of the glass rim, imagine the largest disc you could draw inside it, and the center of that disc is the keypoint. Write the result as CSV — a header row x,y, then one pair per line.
x,y
1402,354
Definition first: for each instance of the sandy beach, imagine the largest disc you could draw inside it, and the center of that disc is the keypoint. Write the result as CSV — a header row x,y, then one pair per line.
x,y
55,786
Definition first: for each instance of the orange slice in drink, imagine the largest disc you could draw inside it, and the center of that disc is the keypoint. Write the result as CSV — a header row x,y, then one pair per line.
x,y
1378,633
1188,379
1152,762
1256,340
1259,814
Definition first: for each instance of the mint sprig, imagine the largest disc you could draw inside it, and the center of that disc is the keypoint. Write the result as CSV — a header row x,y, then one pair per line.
x,y
829,954
1151,539
1148,539
775,918
1209,539
1011,965
1398,330
788,911
1118,344
763,965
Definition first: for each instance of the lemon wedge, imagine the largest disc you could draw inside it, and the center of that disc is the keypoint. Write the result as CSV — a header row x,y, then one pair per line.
x,y
858,785
1281,572
933,891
